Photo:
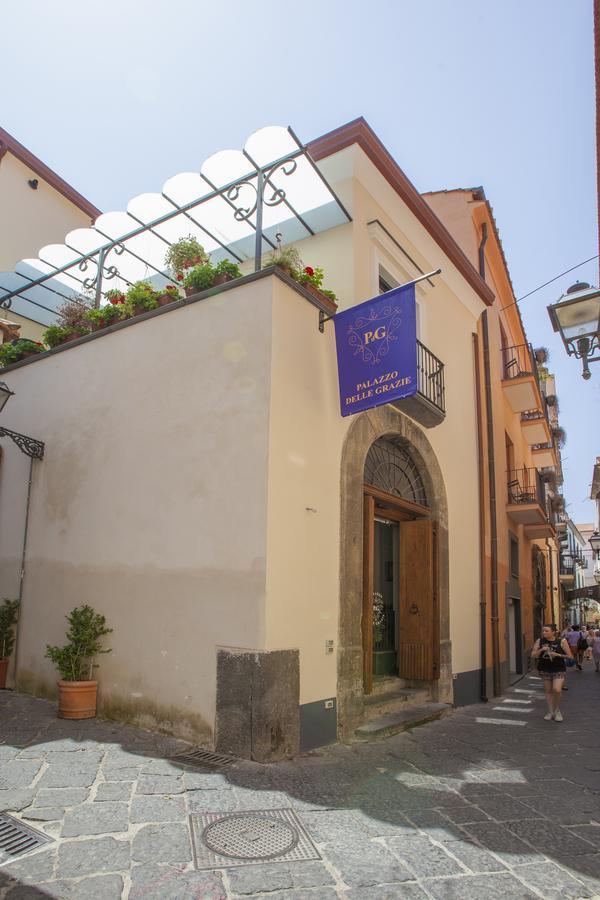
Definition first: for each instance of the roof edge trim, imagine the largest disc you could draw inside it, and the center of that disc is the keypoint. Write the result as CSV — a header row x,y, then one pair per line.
x,y
358,131
10,144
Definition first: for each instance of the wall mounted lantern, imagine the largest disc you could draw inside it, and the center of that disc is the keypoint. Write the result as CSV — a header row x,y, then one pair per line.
x,y
5,395
577,317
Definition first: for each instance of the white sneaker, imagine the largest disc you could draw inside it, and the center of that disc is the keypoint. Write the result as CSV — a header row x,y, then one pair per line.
x,y
558,716
548,716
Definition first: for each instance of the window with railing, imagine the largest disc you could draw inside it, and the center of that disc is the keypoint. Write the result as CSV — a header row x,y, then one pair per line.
x,y
430,377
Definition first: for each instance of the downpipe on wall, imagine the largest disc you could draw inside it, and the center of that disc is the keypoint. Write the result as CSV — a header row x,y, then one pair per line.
x,y
22,571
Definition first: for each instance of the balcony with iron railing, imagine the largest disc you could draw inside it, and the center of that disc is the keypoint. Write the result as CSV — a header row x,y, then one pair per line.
x,y
526,503
544,455
536,426
566,569
428,405
520,378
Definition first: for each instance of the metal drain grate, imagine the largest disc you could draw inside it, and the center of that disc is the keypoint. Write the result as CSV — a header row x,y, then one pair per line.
x,y
204,759
16,838
223,840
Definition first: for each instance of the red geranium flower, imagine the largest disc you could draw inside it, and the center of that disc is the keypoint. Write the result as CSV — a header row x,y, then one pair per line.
x,y
180,277
309,270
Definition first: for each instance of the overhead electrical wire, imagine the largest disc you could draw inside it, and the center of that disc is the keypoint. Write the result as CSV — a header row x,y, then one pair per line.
x,y
546,283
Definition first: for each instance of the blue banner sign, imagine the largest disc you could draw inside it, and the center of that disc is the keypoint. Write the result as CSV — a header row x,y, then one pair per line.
x,y
377,350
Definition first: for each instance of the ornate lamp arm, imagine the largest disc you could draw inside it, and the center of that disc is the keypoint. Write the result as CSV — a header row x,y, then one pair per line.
x,y
28,445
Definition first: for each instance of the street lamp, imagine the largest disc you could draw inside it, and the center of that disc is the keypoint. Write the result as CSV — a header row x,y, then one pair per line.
x,y
577,317
5,395
594,541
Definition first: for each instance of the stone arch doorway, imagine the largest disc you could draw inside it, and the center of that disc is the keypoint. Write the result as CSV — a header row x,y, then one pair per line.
x,y
389,471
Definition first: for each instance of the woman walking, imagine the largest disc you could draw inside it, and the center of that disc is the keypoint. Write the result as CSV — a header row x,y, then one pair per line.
x,y
573,637
550,651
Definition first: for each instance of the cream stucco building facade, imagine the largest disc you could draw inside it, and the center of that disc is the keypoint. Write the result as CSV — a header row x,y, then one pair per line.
x,y
201,489
38,208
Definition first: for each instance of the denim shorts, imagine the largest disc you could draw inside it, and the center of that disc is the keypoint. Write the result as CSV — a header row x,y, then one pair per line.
x,y
550,676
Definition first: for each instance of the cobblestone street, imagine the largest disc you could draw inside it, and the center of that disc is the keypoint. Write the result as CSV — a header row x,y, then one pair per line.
x,y
491,801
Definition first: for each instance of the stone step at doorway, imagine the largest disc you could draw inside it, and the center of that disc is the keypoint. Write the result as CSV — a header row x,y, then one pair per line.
x,y
395,722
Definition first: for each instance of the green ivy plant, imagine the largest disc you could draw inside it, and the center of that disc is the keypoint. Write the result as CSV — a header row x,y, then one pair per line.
x,y
16,350
75,661
9,613
200,278
185,253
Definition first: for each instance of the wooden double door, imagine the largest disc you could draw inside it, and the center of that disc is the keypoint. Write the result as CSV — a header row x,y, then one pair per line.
x,y
400,620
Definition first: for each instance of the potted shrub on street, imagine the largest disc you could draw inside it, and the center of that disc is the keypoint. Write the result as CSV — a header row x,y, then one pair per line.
x,y
77,691
9,612
226,271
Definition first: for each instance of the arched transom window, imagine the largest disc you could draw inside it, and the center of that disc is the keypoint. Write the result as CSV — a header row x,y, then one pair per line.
x,y
390,468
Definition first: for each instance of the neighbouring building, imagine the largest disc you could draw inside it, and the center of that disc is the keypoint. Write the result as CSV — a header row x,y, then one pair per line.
x,y
278,574
38,208
519,453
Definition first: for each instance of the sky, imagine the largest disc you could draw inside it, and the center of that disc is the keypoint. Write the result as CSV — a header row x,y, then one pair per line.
x,y
119,96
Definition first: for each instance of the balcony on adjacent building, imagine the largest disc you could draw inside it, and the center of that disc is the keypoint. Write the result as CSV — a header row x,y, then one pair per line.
x,y
536,427
428,405
520,378
527,503
544,455
566,570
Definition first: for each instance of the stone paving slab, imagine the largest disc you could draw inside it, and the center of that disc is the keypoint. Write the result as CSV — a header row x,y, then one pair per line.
x,y
470,806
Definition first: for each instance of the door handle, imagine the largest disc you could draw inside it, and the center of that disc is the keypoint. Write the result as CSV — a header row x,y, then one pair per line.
x,y
413,609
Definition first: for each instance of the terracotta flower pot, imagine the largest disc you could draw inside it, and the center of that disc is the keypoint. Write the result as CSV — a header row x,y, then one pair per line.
x,y
222,278
77,699
3,671
167,298
189,292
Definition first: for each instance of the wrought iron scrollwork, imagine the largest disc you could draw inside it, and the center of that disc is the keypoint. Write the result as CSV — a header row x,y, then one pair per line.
x,y
105,272
6,303
278,195
27,445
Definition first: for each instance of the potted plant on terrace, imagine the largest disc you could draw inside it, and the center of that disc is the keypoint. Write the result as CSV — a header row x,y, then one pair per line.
x,y
184,254
18,349
77,692
313,280
9,612
288,259
140,298
104,316
55,335
226,271
169,295
200,278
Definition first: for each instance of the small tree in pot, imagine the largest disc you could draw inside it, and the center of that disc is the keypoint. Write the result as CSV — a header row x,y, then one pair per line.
x,y
77,692
9,613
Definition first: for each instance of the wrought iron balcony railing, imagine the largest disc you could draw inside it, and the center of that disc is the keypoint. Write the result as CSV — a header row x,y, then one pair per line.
x,y
518,361
430,377
526,486
566,566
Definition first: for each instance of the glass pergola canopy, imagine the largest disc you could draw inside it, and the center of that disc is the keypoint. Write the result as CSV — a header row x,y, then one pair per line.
x,y
235,206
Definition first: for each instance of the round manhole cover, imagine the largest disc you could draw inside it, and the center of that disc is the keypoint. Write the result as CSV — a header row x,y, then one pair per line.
x,y
250,837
